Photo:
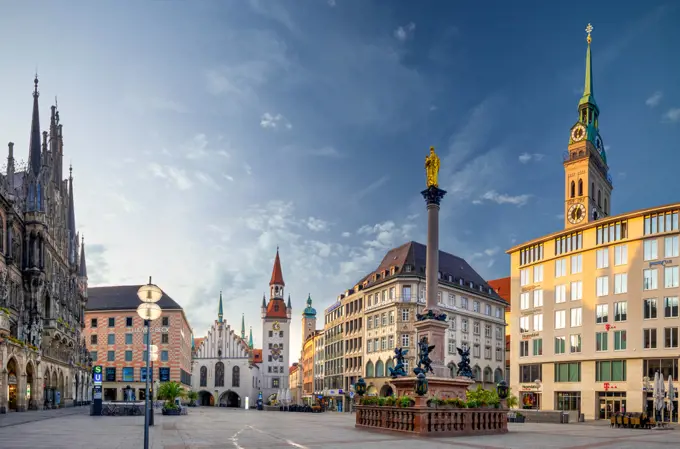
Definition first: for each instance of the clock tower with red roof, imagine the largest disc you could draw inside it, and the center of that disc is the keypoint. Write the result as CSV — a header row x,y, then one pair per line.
x,y
276,315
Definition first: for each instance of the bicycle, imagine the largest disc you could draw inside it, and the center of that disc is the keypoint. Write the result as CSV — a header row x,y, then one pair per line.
x,y
110,410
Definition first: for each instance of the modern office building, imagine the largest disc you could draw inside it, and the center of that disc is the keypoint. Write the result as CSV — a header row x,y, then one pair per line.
x,y
595,305
116,339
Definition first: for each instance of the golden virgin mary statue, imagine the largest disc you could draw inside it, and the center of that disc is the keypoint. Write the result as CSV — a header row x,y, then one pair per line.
x,y
432,168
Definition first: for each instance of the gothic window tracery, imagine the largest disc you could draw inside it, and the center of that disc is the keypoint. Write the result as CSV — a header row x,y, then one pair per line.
x,y
204,376
219,374
236,377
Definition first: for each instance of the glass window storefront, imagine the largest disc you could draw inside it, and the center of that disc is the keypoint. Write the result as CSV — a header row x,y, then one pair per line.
x,y
665,415
666,367
611,402
530,400
568,400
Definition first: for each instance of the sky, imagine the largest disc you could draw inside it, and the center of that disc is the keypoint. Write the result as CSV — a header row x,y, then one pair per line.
x,y
205,134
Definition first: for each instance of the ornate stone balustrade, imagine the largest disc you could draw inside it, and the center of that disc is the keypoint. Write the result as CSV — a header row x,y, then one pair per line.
x,y
436,422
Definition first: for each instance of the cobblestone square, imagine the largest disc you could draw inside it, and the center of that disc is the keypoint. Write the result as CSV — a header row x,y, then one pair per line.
x,y
212,428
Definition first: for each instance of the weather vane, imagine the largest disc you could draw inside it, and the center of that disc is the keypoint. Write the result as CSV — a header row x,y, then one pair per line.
x,y
589,29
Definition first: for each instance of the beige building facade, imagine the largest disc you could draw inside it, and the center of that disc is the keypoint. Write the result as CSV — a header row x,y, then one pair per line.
x,y
595,306
395,293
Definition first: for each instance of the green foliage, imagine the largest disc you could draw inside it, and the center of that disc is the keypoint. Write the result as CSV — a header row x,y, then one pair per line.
x,y
482,397
169,391
192,395
391,401
5,310
405,401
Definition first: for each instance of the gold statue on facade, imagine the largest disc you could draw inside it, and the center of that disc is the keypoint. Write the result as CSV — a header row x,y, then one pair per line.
x,y
432,168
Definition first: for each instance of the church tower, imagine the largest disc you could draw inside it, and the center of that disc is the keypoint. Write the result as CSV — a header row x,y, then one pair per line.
x,y
587,183
276,315
308,319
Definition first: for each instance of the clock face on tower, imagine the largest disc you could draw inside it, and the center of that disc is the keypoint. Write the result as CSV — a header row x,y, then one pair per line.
x,y
576,214
276,326
578,133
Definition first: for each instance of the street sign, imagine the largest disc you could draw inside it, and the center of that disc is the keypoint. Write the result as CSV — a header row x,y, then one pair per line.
x,y
351,395
97,374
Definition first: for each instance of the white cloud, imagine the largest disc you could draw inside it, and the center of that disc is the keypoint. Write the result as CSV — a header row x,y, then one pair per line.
x,y
207,180
672,115
527,157
228,177
316,224
331,3
274,121
197,147
248,169
405,32
501,198
346,234
125,203
326,152
224,153
654,100
175,175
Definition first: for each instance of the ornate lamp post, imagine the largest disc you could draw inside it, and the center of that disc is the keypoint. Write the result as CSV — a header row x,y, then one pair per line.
x,y
421,385
502,390
149,311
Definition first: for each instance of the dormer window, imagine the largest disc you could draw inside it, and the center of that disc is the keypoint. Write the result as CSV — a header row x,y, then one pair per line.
x,y
460,281
439,275
408,268
471,284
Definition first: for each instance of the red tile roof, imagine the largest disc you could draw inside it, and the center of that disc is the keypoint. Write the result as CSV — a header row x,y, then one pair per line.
x,y
276,309
277,274
502,287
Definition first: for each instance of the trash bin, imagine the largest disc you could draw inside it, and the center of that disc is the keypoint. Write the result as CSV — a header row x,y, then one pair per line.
x,y
564,418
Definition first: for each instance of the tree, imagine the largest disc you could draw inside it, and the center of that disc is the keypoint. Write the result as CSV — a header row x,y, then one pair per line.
x,y
169,391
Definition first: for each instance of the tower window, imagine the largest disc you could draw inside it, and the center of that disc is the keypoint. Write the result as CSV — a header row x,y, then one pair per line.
x,y
573,189
605,207
592,190
599,198
580,187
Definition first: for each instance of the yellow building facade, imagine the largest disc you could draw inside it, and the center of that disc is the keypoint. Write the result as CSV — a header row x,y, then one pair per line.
x,y
595,305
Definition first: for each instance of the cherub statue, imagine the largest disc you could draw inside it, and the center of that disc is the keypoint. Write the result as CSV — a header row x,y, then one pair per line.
x,y
464,364
424,361
398,370
432,168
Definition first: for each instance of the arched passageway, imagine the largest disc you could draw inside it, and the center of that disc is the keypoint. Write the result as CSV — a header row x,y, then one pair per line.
x,y
205,399
230,399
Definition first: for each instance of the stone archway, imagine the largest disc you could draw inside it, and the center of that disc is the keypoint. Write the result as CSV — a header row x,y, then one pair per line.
x,y
386,390
60,389
206,399
230,399
12,384
31,392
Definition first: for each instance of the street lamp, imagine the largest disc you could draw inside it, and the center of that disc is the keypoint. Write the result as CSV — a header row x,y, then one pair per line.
x,y
149,311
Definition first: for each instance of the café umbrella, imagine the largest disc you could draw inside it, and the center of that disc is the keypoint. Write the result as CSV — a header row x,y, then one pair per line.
x,y
671,395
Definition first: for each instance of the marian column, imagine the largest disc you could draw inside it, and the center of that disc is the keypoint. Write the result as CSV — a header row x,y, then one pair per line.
x,y
432,323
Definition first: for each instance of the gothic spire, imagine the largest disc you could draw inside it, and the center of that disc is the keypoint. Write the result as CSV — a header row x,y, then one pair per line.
x,y
82,270
250,339
34,161
588,97
243,326
289,306
277,274
71,220
264,301
220,313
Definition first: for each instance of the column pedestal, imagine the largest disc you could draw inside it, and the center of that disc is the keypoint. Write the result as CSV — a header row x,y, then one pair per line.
x,y
435,331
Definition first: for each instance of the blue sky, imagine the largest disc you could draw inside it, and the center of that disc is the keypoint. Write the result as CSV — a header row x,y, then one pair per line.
x,y
204,134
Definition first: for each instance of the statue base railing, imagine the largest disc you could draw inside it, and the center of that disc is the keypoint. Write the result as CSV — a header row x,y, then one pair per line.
x,y
422,420
439,387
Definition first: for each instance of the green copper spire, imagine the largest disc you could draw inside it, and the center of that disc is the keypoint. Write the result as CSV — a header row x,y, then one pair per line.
x,y
588,92
220,313
243,326
250,339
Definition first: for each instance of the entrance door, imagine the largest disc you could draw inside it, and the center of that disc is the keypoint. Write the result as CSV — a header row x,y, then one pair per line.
x,y
611,406
12,400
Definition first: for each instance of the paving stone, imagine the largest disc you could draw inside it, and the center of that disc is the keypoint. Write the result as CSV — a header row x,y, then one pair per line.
x,y
213,428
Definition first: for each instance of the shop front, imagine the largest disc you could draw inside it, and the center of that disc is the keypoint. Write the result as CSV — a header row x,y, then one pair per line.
x,y
530,396
611,402
12,398
335,400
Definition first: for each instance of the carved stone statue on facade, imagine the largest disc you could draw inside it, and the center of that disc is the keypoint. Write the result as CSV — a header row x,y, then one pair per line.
x,y
464,369
424,361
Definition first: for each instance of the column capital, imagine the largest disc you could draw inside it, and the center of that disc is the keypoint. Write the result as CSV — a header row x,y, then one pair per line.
x,y
433,195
